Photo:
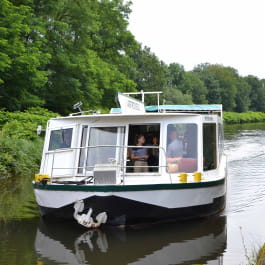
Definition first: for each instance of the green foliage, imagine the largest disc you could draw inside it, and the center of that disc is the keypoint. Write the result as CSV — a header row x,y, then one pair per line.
x,y
175,96
44,113
193,86
151,72
22,60
176,74
257,93
90,46
244,117
34,116
19,130
19,157
221,83
242,96
19,144
227,78
56,53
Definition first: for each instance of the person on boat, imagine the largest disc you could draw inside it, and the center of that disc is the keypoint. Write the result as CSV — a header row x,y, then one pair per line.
x,y
174,150
154,155
130,162
140,155
190,141
66,138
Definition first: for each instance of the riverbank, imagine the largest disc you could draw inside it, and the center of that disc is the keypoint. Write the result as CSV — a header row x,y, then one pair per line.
x,y
244,117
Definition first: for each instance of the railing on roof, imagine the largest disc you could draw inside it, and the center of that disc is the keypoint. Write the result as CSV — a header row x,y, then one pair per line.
x,y
206,109
85,112
142,93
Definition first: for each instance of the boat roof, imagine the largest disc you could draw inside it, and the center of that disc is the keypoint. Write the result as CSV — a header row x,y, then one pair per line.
x,y
161,110
84,115
178,108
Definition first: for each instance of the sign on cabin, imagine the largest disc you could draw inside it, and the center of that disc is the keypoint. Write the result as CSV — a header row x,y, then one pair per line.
x,y
130,105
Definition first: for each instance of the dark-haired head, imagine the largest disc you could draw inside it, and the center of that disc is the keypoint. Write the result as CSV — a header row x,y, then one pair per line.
x,y
139,139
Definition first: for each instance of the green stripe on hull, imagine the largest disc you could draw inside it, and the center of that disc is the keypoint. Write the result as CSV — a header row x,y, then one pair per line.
x,y
122,188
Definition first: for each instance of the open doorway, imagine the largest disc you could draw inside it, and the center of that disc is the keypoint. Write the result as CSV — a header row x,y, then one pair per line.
x,y
143,148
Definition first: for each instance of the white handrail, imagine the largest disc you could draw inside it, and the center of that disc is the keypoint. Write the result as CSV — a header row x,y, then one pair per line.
x,y
121,166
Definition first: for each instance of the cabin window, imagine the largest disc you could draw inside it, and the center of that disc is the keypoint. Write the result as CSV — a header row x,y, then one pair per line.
x,y
209,146
105,146
144,158
182,147
60,139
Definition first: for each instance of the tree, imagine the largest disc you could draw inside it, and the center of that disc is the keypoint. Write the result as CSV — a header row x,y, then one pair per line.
x,y
242,96
257,94
221,83
192,85
151,73
210,82
22,61
112,41
86,40
227,78
175,96
176,74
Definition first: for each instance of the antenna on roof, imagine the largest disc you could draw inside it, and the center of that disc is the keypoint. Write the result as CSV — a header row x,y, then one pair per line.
x,y
78,106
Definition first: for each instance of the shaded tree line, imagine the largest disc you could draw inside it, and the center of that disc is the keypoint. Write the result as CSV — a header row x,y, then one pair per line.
x,y
55,53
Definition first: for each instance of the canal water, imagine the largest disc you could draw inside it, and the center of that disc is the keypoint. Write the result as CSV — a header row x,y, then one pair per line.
x,y
231,238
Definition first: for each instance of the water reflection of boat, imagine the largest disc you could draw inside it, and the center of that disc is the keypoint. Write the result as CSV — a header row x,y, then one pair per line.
x,y
180,243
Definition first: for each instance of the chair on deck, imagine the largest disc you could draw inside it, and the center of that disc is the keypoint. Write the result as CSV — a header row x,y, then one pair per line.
x,y
188,165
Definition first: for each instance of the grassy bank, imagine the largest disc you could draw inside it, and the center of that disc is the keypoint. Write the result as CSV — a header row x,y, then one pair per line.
x,y
244,117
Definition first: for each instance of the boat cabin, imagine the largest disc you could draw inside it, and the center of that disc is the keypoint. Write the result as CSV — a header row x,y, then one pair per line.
x,y
133,144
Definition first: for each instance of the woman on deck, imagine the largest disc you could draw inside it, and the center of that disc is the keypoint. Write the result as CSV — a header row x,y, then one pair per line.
x,y
140,155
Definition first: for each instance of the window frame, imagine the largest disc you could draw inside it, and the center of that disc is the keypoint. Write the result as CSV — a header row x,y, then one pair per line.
x,y
49,149
86,168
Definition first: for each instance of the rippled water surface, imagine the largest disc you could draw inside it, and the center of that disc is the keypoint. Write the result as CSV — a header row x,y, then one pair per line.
x,y
230,238
245,211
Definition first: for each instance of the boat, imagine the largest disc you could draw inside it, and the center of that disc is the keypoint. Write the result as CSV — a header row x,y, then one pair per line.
x,y
137,164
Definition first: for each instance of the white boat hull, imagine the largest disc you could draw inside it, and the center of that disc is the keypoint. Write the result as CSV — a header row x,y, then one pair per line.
x,y
129,204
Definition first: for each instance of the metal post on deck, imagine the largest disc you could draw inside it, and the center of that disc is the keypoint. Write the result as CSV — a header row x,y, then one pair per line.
x,y
52,165
142,92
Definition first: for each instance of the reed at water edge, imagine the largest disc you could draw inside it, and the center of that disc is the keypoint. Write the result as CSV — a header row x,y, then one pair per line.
x,y
261,256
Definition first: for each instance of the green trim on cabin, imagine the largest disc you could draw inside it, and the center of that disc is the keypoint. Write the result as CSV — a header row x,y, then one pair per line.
x,y
122,188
